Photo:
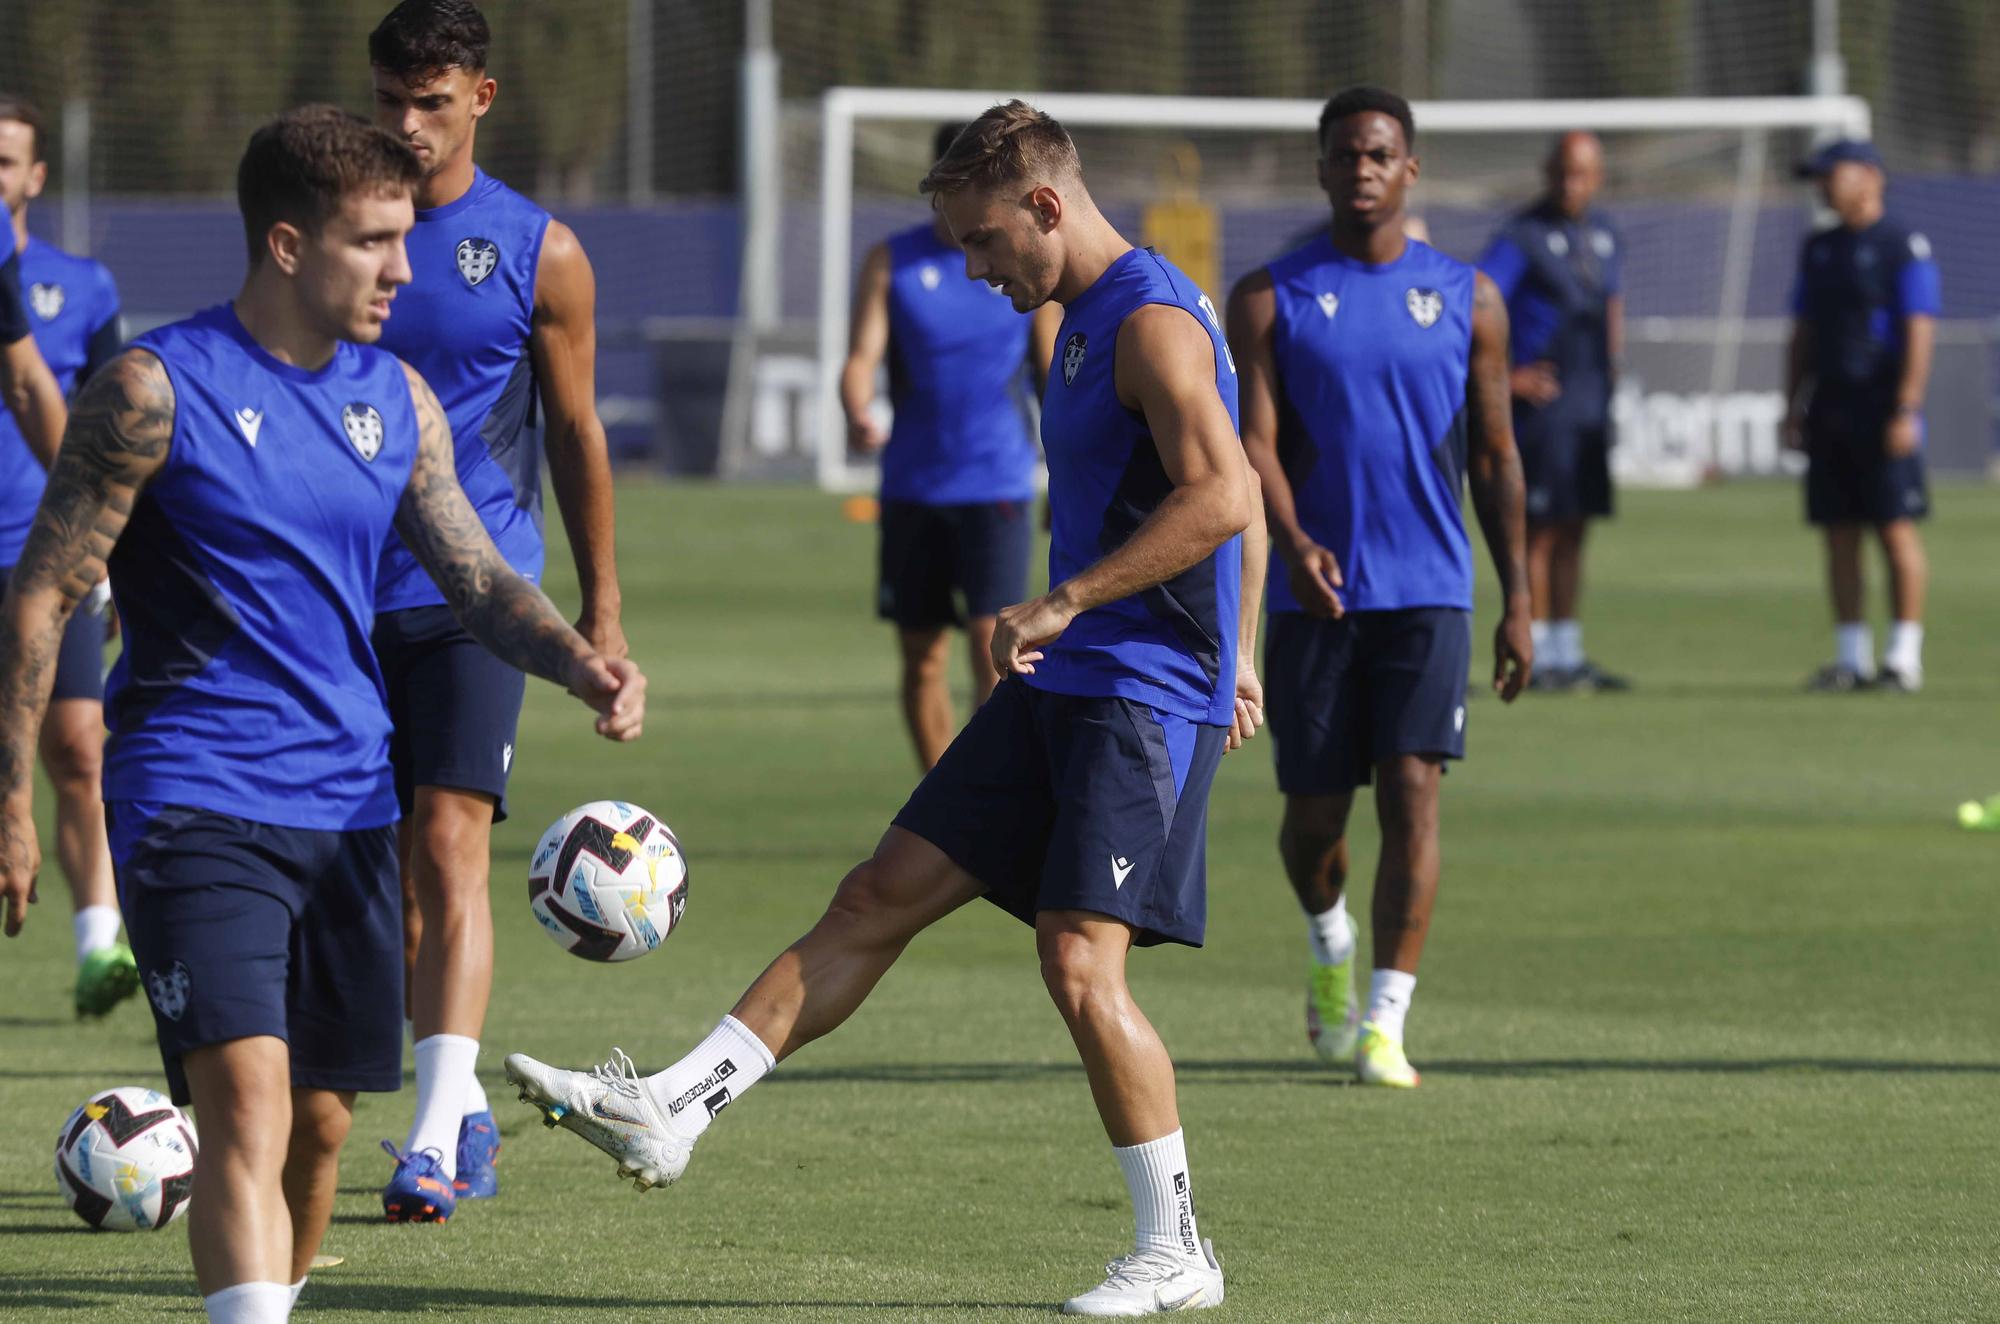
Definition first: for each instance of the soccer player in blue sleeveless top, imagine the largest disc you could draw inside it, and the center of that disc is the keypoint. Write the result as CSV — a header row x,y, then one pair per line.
x,y
500,317
1374,384
1076,798
958,473
73,310
240,472
1865,312
1558,266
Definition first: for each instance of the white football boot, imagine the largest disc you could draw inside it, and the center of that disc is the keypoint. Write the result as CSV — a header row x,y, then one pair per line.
x,y
1153,1282
610,1108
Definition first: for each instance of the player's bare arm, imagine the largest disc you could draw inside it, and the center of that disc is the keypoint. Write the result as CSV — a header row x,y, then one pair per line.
x,y
495,604
563,343
116,441
1499,495
1312,571
1249,711
33,397
1905,431
867,342
1166,371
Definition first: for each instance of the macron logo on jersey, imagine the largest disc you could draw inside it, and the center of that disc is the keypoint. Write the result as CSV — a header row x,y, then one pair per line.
x,y
1329,304
251,421
1121,868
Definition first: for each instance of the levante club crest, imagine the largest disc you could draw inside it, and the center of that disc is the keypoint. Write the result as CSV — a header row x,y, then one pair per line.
x,y
476,259
1425,306
1073,356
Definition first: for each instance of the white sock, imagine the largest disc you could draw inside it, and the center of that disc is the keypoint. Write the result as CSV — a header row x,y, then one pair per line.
x,y
693,1090
1905,653
1331,939
296,1288
444,1064
96,927
1389,994
1156,1173
1538,635
475,1097
1566,643
1854,648
249,1303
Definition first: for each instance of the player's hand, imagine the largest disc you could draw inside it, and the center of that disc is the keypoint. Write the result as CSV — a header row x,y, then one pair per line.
x,y
866,436
1536,383
616,689
20,861
1020,631
1249,714
1314,574
604,632
1793,433
1513,653
1904,434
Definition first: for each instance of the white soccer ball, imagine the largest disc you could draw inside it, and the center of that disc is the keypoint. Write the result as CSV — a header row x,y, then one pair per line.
x,y
608,881
125,1160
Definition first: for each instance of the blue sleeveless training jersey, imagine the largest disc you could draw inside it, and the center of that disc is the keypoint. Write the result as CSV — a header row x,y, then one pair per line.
x,y
464,322
1172,646
1372,367
71,307
246,580
958,378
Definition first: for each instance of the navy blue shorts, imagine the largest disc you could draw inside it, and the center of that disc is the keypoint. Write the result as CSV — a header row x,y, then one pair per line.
x,y
944,565
455,706
1344,695
1566,466
80,658
1057,802
1850,480
244,929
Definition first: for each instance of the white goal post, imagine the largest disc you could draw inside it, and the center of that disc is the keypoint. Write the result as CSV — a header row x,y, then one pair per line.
x,y
842,107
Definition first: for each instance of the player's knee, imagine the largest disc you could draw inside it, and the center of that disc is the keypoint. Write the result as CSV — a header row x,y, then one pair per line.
x,y
1406,795
74,757
868,905
320,1123
1076,971
450,853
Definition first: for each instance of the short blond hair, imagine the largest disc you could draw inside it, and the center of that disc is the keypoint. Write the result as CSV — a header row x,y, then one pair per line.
x,y
1009,144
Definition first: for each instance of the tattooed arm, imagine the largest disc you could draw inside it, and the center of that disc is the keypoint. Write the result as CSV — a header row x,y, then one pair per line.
x,y
513,618
116,441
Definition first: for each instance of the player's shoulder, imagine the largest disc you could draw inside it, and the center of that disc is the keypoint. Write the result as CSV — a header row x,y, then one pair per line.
x,y
1308,256
1901,241
1426,259
493,192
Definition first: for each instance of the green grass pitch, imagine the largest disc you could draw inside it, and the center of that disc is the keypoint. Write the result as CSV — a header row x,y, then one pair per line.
x,y
1708,1021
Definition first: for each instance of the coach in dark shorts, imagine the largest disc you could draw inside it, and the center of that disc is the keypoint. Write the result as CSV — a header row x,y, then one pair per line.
x,y
1865,308
1559,266
958,465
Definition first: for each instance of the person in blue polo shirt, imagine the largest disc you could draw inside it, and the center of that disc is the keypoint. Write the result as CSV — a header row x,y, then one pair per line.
x,y
72,311
1865,309
958,471
1558,264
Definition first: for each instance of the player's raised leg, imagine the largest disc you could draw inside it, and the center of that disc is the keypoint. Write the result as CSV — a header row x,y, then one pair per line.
x,y
650,1124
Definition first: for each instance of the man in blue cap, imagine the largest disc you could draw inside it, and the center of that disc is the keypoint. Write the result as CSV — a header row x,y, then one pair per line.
x,y
1865,309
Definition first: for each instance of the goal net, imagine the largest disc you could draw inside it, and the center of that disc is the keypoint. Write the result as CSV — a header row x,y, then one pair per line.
x,y
1701,188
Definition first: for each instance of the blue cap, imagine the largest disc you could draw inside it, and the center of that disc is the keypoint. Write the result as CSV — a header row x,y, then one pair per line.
x,y
1841,149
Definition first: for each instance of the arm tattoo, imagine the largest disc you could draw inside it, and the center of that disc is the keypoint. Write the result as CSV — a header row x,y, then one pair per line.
x,y
506,613
117,439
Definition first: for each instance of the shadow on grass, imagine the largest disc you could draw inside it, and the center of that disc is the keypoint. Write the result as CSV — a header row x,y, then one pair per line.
x,y
96,1294
404,1299
149,1074
943,1073
1803,1066
31,1022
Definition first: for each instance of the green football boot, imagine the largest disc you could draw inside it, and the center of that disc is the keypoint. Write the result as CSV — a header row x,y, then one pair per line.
x,y
106,978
